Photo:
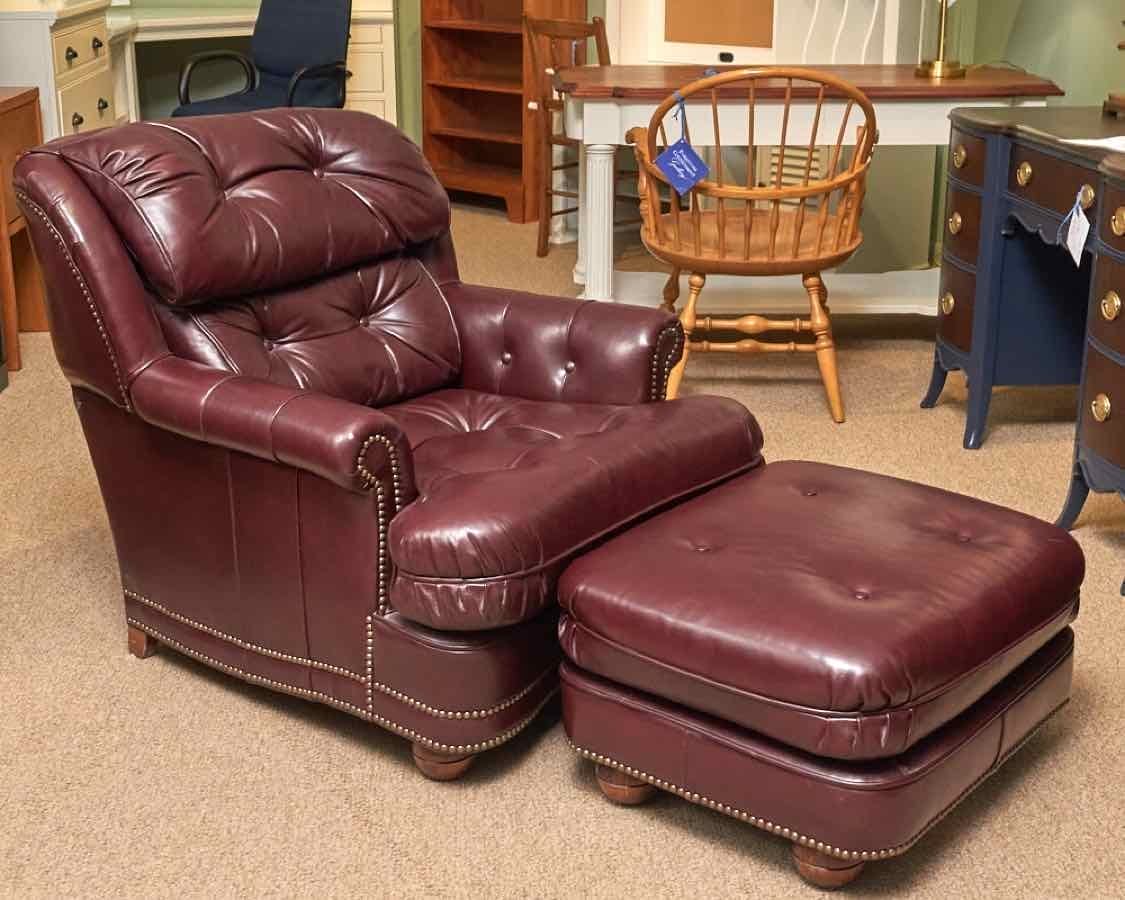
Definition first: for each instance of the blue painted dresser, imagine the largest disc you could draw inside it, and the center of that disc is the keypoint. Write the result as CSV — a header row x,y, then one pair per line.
x,y
1014,308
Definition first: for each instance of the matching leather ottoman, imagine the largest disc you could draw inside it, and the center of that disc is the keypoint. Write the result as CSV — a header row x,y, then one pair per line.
x,y
833,656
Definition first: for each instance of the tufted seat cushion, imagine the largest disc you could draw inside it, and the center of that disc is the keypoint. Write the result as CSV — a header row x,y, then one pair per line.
x,y
510,489
840,612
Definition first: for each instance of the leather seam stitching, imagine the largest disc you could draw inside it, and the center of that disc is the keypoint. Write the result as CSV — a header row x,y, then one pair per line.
x,y
329,700
81,281
793,834
855,716
435,711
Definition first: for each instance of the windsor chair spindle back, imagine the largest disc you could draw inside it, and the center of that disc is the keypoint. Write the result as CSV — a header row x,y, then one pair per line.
x,y
801,217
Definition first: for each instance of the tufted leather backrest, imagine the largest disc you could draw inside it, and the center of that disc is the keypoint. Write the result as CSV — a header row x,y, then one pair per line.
x,y
221,206
297,245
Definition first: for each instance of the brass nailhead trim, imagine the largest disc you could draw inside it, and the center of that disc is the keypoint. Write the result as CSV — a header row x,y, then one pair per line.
x,y
463,714
792,834
658,387
245,645
35,208
394,727
369,478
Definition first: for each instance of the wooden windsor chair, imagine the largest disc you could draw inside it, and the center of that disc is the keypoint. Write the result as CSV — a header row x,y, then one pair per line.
x,y
788,226
556,44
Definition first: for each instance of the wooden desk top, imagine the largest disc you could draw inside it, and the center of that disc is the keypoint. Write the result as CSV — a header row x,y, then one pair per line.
x,y
12,97
1053,126
895,82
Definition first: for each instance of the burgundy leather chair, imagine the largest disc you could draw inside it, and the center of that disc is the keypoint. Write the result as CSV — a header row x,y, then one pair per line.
x,y
331,467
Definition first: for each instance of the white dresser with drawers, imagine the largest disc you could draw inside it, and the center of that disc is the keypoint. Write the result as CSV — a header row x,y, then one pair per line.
x,y
62,48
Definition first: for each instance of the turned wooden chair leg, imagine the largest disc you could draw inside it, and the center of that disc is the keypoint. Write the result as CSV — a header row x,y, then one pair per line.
x,y
825,346
440,766
672,291
687,320
822,870
623,789
547,168
141,645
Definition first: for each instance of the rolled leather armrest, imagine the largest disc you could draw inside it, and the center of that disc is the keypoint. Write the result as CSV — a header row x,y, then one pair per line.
x,y
351,445
551,348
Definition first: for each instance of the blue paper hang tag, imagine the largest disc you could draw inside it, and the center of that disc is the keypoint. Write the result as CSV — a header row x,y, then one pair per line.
x,y
681,165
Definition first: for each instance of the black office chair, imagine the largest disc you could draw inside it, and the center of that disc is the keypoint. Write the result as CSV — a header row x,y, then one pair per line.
x,y
298,49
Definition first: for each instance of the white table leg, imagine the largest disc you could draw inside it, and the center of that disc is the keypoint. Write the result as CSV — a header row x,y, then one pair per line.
x,y
597,224
580,263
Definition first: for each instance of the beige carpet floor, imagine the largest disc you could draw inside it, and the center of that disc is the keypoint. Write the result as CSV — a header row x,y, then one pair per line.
x,y
164,779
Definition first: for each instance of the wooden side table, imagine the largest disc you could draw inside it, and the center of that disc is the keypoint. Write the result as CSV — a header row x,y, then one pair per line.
x,y
21,286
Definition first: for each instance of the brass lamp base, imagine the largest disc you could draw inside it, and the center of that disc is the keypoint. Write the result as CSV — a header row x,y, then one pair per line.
x,y
940,68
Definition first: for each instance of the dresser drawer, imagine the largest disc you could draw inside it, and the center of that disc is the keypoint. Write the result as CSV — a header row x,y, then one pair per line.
x,y
1113,219
962,224
80,46
1106,318
955,306
966,157
1104,398
1048,181
19,131
87,104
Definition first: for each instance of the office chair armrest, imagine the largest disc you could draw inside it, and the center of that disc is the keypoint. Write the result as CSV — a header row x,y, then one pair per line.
x,y
338,69
248,68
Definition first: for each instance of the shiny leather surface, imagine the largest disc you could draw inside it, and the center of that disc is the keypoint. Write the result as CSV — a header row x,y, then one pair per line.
x,y
245,307
509,490
855,806
840,612
222,206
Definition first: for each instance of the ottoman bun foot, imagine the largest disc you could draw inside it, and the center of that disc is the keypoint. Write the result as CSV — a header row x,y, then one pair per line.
x,y
623,789
822,870
439,766
140,644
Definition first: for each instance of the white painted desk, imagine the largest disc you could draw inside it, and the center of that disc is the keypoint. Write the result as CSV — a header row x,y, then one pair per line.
x,y
603,103
371,56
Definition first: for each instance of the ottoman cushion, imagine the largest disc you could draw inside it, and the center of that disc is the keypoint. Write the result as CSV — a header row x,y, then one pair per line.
x,y
843,613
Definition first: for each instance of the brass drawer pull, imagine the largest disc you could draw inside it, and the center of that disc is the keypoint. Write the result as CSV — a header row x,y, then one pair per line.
x,y
76,120
1111,306
955,223
1100,408
71,54
103,104
96,44
1086,196
1023,174
947,303
960,156
1117,221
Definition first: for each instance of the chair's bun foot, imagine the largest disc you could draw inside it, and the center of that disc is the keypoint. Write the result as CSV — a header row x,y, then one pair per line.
x,y
621,788
440,766
824,871
141,645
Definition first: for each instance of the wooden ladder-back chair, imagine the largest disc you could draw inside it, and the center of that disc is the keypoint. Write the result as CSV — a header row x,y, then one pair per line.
x,y
736,227
556,44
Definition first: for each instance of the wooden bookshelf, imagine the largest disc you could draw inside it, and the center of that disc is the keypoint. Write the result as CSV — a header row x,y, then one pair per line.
x,y
477,130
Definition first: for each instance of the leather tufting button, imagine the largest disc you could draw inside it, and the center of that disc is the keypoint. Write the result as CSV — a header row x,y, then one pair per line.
x,y
964,538
269,345
701,549
811,492
862,595
505,357
569,367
